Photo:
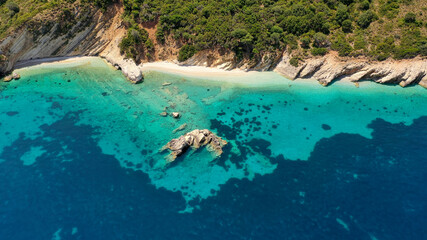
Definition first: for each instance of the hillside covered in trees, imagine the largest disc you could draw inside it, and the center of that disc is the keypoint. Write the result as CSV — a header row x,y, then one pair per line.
x,y
377,29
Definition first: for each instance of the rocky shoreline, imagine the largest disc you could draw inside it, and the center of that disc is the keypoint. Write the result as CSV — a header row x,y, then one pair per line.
x,y
330,68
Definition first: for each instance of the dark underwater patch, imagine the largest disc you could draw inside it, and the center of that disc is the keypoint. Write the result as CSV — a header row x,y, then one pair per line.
x,y
11,113
372,185
326,127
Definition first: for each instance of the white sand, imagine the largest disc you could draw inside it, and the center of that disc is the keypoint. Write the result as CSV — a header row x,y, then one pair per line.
x,y
42,61
198,71
235,77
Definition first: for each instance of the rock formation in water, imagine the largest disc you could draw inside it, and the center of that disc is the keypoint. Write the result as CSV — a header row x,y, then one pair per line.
x,y
195,139
176,115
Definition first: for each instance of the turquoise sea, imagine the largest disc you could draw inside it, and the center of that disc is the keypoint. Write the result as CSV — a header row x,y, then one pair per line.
x,y
79,157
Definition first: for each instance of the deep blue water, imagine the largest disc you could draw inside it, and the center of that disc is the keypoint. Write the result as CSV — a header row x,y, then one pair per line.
x,y
300,200
79,158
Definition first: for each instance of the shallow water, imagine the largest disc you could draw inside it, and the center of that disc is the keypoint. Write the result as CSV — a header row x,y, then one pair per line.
x,y
80,150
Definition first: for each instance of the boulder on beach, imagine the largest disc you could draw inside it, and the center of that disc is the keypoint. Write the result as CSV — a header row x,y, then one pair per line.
x,y
13,76
194,139
16,76
7,79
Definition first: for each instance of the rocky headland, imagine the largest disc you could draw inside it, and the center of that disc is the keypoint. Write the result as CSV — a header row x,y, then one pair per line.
x,y
194,139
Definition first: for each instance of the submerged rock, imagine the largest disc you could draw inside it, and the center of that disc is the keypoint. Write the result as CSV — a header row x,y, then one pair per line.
x,y
180,128
195,139
163,114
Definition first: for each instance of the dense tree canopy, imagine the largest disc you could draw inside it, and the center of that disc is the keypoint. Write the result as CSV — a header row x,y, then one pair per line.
x,y
251,28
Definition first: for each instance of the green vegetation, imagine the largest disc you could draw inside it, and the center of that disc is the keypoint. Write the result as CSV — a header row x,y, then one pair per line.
x,y
186,52
378,29
252,28
294,61
136,44
319,51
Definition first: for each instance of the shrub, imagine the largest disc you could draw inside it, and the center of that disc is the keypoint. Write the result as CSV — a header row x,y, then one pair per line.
x,y
160,35
131,44
382,57
149,45
341,14
276,29
275,38
186,52
292,41
366,18
347,26
305,42
319,51
320,40
13,7
103,4
384,49
360,43
342,46
410,18
423,49
406,52
364,5
294,61
239,33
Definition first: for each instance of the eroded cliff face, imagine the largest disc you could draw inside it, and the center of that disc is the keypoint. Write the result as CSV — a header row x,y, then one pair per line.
x,y
98,37
102,34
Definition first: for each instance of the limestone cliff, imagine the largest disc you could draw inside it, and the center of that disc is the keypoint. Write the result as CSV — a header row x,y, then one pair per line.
x,y
99,37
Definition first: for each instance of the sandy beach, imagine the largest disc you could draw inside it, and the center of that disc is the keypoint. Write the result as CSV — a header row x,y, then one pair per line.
x,y
235,76
199,71
41,61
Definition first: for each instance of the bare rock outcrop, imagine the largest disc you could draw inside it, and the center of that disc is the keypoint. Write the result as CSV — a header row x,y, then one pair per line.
x,y
285,68
331,68
195,139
